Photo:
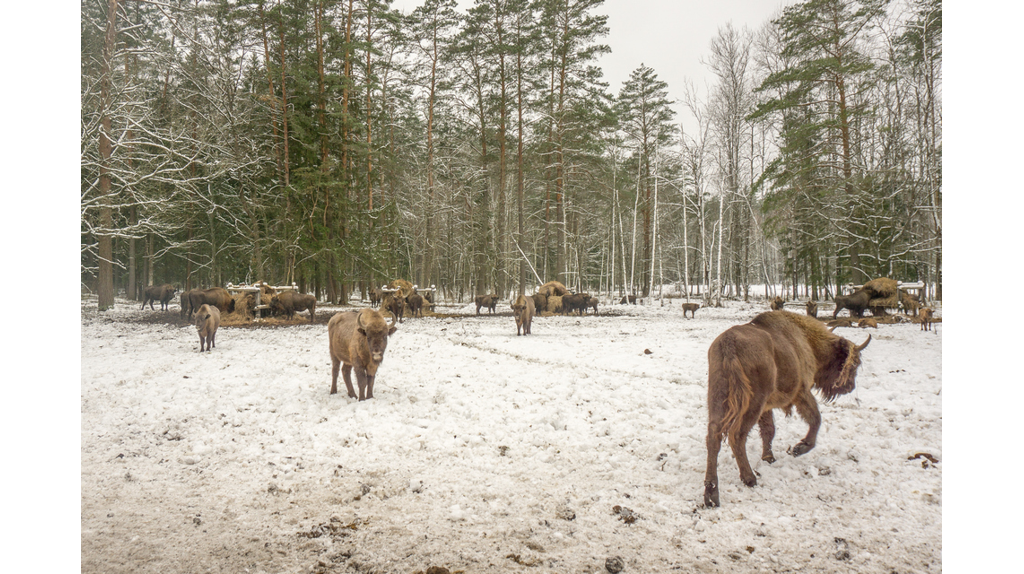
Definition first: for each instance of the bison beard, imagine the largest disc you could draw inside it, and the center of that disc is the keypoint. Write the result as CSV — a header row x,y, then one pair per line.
x,y
772,362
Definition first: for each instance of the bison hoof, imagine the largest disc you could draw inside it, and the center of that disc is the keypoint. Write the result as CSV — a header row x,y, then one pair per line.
x,y
751,482
800,448
711,496
769,458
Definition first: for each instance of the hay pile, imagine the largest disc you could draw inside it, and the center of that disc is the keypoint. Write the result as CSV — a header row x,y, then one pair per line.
x,y
884,292
552,288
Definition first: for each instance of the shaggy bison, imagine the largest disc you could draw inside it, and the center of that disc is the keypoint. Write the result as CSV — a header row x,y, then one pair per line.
x,y
358,339
692,308
523,310
540,302
927,313
856,303
289,302
772,362
375,296
777,304
415,302
162,293
910,303
186,303
395,304
207,321
216,296
488,302
575,302
628,299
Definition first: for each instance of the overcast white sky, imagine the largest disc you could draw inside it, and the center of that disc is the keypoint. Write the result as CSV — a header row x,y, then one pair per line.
x,y
670,36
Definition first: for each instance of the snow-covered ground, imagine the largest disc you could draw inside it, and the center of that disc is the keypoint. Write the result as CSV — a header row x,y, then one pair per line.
x,y
487,452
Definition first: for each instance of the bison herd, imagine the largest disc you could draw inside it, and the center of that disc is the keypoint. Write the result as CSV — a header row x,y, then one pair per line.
x,y
772,362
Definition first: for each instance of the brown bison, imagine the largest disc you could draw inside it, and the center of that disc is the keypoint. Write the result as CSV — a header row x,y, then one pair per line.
x,y
540,302
290,302
575,303
812,309
358,339
207,321
523,310
692,308
162,293
489,302
856,303
375,296
910,303
592,303
415,302
186,303
927,314
216,296
868,322
628,299
777,303
772,362
394,303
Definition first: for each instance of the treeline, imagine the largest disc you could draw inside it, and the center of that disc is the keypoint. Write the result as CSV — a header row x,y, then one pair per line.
x,y
338,144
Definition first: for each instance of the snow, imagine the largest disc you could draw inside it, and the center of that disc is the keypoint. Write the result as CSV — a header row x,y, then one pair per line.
x,y
482,451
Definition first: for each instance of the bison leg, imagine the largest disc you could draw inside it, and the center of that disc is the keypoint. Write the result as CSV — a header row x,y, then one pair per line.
x,y
361,379
714,442
808,409
335,366
369,385
738,442
211,341
346,373
766,426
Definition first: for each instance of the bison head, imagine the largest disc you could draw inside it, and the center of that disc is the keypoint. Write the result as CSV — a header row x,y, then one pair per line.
x,y
839,376
376,333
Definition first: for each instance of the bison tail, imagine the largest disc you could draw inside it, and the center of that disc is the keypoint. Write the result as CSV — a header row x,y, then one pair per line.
x,y
737,398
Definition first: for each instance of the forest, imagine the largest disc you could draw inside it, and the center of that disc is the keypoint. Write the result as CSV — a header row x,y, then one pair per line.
x,y
339,144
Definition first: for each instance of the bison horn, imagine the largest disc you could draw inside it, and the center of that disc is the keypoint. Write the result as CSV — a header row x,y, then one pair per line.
x,y
864,344
833,330
359,320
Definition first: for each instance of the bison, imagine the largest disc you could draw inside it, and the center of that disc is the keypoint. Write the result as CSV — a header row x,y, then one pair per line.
x,y
162,293
358,339
375,296
628,298
523,309
575,302
772,362
415,302
592,303
488,302
394,303
186,303
540,302
216,296
812,309
856,303
289,302
207,321
692,308
777,303
910,303
927,314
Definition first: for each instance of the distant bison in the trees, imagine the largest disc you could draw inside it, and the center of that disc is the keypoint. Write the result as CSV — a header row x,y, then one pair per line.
x,y
540,302
162,293
375,296
489,302
358,339
592,303
207,321
290,302
772,362
415,301
575,303
910,303
856,303
692,308
777,304
812,309
186,303
628,299
523,310
216,296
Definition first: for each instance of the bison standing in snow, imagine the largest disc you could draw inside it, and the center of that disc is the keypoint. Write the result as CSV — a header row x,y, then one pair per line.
x,y
523,309
207,321
772,362
692,308
162,293
927,313
856,303
289,302
358,340
216,296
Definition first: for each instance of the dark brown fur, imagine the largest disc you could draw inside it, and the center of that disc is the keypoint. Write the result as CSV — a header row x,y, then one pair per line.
x,y
592,303
290,302
692,308
911,303
628,299
375,296
489,302
217,296
777,304
186,303
575,302
207,322
540,302
415,301
523,310
162,293
394,303
358,340
772,362
868,322
856,303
